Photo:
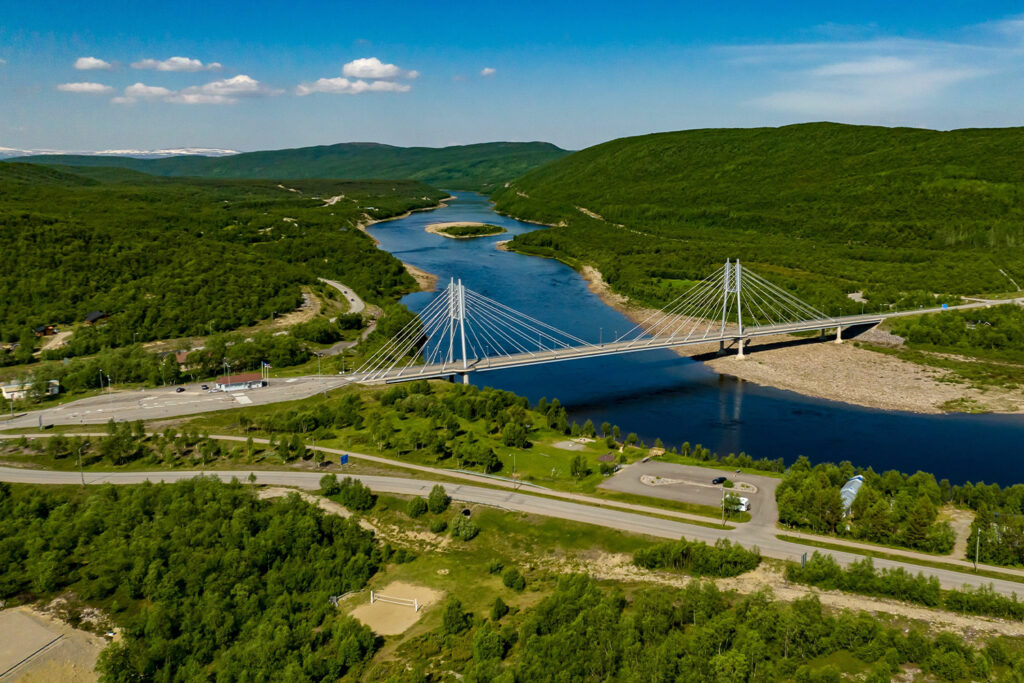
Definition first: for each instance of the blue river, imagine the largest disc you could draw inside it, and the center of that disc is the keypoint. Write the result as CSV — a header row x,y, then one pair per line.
x,y
660,394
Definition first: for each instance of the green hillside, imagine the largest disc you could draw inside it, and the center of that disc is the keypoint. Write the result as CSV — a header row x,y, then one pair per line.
x,y
466,167
170,257
823,208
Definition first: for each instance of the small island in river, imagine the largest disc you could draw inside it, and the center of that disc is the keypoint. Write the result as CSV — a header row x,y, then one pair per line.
x,y
463,230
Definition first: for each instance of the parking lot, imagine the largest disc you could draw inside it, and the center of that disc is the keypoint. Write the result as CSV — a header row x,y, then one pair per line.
x,y
692,484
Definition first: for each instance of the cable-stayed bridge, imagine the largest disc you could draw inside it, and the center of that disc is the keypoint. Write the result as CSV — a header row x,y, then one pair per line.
x,y
462,331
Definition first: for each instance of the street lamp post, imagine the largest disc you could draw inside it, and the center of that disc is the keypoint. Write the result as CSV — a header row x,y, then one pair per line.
x,y
80,470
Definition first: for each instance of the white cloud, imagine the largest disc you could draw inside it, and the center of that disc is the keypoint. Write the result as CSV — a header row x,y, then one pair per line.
x,y
343,86
871,86
90,63
373,68
87,88
176,64
2,62
141,90
488,71
225,91
873,66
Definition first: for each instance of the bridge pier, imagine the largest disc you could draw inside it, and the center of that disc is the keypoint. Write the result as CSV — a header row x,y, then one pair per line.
x,y
465,377
839,334
739,348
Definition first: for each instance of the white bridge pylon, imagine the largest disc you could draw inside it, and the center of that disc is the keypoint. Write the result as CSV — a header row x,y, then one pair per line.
x,y
462,331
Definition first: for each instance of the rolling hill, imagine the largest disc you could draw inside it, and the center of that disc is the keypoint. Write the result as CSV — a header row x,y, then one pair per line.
x,y
170,257
482,166
825,209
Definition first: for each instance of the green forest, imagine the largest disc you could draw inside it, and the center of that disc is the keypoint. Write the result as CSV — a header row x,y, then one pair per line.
x,y
821,209
202,577
482,167
207,582
174,257
891,508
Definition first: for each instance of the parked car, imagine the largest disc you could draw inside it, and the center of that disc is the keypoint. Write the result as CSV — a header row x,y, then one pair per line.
x,y
718,480
204,387
180,389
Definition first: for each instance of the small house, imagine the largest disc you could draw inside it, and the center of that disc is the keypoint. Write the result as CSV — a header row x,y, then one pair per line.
x,y
45,331
849,492
247,380
93,317
18,391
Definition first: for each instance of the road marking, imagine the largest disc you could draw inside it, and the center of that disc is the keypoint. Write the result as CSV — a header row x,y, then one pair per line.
x,y
293,379
241,398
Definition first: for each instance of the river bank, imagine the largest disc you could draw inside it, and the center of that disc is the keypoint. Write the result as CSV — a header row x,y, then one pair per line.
x,y
837,372
427,281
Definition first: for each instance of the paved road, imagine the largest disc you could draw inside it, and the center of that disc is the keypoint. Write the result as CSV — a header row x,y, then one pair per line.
x,y
514,501
355,304
164,402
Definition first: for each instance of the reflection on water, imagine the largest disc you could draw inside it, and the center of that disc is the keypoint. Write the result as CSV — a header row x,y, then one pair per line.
x,y
659,394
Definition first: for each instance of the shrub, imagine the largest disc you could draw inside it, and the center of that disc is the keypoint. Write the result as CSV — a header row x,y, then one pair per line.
x,y
495,566
699,558
438,500
416,507
438,526
513,579
498,609
463,528
329,485
355,496
454,620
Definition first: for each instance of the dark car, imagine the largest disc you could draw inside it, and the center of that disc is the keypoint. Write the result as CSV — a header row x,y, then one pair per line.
x,y
204,387
718,480
180,389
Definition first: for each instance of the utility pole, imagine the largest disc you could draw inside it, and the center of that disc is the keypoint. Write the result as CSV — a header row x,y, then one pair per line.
x,y
977,549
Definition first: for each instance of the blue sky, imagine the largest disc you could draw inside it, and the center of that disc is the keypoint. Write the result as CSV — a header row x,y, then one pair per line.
x,y
255,75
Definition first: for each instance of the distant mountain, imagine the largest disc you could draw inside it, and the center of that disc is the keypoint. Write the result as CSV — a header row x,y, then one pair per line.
x,y
483,166
12,153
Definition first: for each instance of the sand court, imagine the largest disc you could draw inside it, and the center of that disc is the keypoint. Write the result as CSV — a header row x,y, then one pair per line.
x,y
34,647
388,618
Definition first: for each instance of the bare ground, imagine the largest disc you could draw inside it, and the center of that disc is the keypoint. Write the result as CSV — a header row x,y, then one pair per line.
x,y
960,520
48,649
618,567
389,619
838,372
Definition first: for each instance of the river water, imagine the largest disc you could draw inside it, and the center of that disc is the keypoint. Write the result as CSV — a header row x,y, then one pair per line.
x,y
660,394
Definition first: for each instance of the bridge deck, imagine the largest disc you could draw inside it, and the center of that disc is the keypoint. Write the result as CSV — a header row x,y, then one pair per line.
x,y
438,370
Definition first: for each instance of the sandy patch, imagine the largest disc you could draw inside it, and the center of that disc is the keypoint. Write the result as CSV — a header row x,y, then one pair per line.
x,y
618,567
439,229
331,201
56,341
36,647
426,281
388,619
502,245
838,372
843,372
960,520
